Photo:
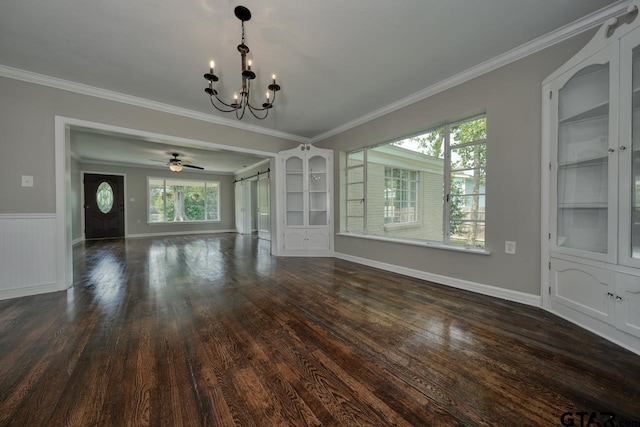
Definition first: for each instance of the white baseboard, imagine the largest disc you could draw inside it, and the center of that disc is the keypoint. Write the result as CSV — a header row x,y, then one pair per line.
x,y
76,241
179,233
598,327
506,294
28,291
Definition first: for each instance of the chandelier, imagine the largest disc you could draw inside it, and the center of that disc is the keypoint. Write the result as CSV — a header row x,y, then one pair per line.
x,y
241,103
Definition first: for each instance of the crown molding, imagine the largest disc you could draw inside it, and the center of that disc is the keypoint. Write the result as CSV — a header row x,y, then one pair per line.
x,y
556,36
41,79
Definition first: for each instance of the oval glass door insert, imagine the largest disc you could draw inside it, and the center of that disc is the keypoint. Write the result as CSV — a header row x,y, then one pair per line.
x,y
104,197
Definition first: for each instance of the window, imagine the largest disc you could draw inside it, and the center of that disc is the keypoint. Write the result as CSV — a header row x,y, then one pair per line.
x,y
183,200
400,195
428,187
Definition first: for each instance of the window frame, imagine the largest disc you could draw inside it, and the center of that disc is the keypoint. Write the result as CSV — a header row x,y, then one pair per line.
x,y
409,202
205,184
447,148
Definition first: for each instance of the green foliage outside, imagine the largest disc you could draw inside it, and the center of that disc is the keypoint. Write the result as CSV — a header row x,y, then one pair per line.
x,y
472,158
184,203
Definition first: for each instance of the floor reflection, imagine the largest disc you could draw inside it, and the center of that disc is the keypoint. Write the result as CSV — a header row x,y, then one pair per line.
x,y
107,280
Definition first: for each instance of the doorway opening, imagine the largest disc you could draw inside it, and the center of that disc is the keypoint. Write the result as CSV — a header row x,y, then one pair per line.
x,y
141,147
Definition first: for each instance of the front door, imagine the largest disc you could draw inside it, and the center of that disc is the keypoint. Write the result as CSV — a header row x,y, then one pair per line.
x,y
103,206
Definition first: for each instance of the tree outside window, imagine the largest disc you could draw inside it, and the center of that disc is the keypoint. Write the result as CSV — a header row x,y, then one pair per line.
x,y
182,200
448,206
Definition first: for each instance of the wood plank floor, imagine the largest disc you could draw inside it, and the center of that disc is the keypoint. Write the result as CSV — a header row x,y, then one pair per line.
x,y
211,330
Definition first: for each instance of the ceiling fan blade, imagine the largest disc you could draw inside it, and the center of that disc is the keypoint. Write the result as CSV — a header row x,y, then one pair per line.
x,y
159,161
191,166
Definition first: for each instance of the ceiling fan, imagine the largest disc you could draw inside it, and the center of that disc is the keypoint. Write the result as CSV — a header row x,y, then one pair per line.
x,y
176,164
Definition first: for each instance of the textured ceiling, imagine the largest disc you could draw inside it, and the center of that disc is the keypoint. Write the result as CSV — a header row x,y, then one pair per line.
x,y
337,60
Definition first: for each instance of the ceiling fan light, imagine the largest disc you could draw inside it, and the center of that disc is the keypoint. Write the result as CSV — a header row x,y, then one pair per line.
x,y
175,166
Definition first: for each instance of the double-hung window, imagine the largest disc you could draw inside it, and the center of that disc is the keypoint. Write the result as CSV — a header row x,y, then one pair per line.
x,y
183,200
400,195
428,187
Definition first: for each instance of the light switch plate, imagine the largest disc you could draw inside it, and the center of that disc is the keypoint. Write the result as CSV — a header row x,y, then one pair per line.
x,y
27,181
510,247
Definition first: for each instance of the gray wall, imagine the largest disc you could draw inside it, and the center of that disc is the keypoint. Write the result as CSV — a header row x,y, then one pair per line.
x,y
511,97
136,188
27,117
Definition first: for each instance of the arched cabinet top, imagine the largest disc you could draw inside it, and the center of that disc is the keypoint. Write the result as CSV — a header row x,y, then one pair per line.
x,y
609,33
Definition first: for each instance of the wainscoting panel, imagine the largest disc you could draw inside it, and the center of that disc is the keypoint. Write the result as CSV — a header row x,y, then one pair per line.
x,y
27,254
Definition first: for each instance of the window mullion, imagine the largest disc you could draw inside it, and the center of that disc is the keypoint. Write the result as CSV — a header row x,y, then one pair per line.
x,y
164,200
204,198
447,183
364,190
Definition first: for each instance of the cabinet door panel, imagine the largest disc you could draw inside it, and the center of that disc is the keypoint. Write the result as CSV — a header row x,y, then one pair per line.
x,y
628,303
584,182
583,288
629,150
318,241
294,186
294,240
318,191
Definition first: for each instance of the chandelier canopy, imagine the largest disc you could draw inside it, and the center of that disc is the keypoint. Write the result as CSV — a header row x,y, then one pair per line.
x,y
241,103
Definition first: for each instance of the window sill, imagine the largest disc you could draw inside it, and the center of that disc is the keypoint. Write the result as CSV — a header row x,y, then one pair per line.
x,y
421,243
183,222
401,225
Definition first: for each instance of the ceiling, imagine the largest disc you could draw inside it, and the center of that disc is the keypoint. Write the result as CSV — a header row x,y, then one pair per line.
x,y
93,146
336,60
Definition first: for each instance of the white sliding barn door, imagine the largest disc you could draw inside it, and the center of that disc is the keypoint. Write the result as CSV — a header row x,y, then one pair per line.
x,y
264,208
240,208
243,207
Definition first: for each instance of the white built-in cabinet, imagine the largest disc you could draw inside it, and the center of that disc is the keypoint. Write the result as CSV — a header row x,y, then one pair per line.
x,y
307,215
591,184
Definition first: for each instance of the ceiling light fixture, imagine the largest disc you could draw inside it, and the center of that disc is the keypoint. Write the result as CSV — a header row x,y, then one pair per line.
x,y
175,165
240,104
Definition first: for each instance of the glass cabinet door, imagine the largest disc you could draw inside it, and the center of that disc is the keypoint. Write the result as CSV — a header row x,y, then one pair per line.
x,y
629,150
635,156
294,191
318,195
583,161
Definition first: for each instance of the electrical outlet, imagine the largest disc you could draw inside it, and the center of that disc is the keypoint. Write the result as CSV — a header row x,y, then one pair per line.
x,y
510,247
27,181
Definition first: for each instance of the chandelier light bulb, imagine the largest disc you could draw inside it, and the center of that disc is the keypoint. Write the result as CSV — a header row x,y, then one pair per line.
x,y
211,64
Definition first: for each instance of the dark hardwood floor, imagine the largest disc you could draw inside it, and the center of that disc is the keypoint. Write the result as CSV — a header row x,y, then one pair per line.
x,y
211,330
